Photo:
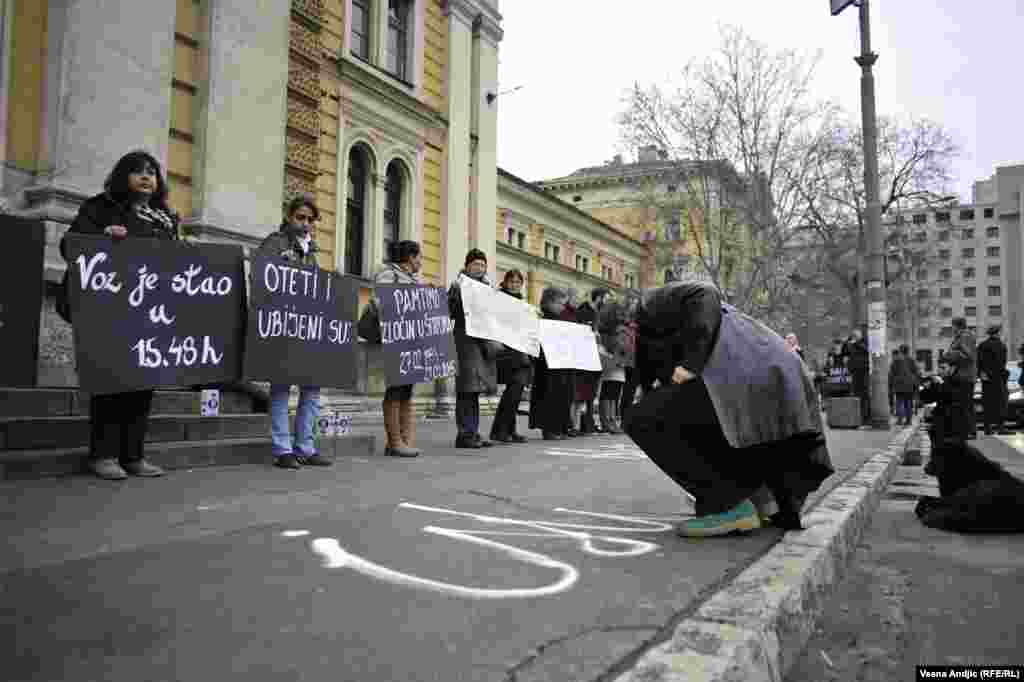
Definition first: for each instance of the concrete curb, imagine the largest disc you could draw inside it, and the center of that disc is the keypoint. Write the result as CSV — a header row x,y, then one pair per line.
x,y
755,627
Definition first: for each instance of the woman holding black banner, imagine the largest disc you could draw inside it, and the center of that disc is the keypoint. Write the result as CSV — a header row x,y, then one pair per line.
x,y
293,242
399,421
133,204
514,370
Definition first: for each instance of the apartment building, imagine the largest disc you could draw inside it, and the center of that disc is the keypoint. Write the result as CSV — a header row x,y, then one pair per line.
x,y
961,260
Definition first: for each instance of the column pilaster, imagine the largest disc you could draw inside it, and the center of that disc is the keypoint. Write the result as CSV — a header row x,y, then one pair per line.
x,y
240,127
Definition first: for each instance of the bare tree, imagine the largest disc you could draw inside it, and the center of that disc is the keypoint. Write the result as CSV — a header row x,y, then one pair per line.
x,y
743,128
914,171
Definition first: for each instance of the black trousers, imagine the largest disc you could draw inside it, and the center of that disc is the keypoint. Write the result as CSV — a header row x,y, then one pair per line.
x,y
467,414
117,425
508,410
628,391
994,398
677,427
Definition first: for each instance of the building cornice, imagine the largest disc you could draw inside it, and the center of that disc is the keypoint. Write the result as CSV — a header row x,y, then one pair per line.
x,y
379,86
589,224
538,262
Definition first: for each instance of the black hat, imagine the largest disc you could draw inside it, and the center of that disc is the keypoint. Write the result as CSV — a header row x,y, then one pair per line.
x,y
994,329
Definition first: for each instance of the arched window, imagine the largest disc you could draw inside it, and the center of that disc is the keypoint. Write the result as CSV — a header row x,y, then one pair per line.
x,y
393,188
355,212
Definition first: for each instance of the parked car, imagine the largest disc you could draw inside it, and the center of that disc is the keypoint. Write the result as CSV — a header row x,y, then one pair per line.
x,y
1015,405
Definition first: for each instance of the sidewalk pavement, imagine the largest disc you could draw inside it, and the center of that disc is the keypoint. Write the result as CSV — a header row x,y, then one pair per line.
x,y
208,571
921,596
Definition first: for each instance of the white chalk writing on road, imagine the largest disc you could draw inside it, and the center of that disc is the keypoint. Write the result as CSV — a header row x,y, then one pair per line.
x,y
592,538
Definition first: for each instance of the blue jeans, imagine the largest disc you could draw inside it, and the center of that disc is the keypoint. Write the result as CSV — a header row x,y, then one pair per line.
x,y
305,417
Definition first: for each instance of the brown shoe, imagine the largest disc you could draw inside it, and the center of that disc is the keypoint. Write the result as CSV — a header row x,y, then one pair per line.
x,y
107,469
141,467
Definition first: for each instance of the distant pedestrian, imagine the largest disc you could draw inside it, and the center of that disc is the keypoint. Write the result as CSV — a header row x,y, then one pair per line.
x,y
515,371
993,374
858,364
399,419
963,358
903,383
478,369
575,406
133,205
293,242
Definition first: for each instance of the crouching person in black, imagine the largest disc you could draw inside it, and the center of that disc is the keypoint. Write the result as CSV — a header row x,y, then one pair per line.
x,y
950,421
736,421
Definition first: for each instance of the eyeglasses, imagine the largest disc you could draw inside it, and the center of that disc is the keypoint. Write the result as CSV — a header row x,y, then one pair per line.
x,y
304,218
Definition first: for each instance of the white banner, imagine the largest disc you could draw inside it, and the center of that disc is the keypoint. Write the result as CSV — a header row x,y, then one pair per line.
x,y
568,345
496,316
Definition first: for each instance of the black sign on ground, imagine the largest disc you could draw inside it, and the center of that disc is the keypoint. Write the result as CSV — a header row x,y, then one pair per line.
x,y
21,297
301,325
416,333
151,313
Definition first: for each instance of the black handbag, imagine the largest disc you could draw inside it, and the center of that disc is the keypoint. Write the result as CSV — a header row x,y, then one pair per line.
x,y
368,326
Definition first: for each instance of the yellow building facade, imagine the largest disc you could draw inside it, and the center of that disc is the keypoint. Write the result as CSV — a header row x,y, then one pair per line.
x,y
553,243
383,110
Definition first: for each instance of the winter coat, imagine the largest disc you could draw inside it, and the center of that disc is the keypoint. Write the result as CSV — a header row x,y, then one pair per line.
x,y
514,367
992,360
101,211
285,245
761,390
904,376
478,368
963,354
951,422
857,357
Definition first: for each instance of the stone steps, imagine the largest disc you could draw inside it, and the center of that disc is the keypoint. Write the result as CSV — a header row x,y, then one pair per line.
x,y
62,402
29,464
35,433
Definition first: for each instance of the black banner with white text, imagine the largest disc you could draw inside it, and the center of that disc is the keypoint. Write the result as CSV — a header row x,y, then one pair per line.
x,y
301,326
416,333
151,313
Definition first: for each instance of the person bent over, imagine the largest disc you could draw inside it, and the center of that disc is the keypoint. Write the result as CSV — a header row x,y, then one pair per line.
x,y
735,420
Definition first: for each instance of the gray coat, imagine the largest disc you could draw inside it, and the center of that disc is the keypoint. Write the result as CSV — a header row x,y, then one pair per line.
x,y
762,392
478,364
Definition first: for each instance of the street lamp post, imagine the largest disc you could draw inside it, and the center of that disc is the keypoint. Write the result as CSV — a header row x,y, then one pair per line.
x,y
874,267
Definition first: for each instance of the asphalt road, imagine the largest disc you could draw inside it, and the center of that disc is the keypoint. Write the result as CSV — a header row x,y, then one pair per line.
x,y
545,561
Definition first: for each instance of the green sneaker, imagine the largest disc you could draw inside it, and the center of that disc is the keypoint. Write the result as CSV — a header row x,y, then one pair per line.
x,y
742,518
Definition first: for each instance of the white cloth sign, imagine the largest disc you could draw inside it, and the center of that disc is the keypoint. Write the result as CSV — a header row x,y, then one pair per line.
x,y
568,345
496,316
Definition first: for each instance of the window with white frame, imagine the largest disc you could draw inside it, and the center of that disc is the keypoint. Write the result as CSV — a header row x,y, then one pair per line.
x,y
552,251
393,194
396,53
380,32
630,281
360,29
582,263
356,210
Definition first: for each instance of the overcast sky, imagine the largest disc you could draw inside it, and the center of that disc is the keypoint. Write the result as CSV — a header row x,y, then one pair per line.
x,y
955,61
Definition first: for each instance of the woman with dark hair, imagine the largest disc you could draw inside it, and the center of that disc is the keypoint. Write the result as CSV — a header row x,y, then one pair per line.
x,y
514,370
552,391
399,421
293,242
133,204
618,351
736,421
